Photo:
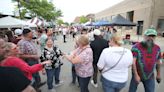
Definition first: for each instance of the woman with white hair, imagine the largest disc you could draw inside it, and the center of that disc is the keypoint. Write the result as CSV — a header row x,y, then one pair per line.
x,y
113,64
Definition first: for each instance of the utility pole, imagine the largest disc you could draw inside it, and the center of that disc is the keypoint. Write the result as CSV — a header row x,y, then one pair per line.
x,y
152,12
51,1
20,16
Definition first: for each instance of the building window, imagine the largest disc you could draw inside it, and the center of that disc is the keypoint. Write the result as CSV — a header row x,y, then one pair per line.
x,y
160,26
140,27
130,15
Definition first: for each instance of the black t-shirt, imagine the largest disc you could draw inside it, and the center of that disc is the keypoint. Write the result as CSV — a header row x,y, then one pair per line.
x,y
97,47
12,80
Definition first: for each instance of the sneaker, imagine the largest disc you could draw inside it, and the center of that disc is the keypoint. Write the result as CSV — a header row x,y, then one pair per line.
x,y
95,85
52,90
59,84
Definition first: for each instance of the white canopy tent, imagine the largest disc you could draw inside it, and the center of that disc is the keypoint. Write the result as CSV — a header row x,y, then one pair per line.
x,y
10,22
87,23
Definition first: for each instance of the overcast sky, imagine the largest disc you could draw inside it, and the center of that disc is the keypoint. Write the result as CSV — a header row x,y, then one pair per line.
x,y
70,8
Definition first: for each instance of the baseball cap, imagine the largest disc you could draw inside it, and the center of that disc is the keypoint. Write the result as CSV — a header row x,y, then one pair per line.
x,y
97,32
150,32
26,31
18,32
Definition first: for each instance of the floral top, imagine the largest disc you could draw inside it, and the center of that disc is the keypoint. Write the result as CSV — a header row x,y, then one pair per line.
x,y
85,68
52,54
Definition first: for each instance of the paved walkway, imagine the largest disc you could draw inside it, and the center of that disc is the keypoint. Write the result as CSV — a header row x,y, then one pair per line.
x,y
66,70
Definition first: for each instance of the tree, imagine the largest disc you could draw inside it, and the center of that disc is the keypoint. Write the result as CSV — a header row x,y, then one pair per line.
x,y
19,6
40,8
72,23
83,19
60,22
66,23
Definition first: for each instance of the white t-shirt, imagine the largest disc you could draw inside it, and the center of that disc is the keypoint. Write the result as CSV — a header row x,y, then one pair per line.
x,y
64,31
109,57
90,35
75,30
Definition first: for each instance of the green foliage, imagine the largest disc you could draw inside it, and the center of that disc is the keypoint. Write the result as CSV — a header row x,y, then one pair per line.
x,y
18,6
83,19
66,23
59,22
41,8
72,23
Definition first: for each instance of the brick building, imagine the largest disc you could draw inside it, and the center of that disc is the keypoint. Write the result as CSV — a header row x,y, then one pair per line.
x,y
143,12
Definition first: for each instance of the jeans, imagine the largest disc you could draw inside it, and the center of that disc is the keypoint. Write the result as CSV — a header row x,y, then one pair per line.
x,y
149,85
110,86
83,83
55,72
64,36
73,74
95,73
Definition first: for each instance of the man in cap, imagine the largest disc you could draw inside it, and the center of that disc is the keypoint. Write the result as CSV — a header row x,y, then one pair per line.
x,y
146,58
29,53
97,47
18,34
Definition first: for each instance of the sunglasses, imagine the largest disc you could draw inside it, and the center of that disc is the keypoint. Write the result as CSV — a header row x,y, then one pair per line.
x,y
151,36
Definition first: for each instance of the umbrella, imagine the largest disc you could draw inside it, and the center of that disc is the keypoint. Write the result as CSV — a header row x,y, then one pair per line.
x,y
120,21
101,23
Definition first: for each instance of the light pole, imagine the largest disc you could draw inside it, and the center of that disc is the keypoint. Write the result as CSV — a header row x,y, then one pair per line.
x,y
152,12
20,16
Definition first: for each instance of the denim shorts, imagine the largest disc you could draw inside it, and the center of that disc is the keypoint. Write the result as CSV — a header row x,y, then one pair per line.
x,y
111,86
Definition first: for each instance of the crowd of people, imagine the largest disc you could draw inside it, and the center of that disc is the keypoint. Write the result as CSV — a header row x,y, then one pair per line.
x,y
96,51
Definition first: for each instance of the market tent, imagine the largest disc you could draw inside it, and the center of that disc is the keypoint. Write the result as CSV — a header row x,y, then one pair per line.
x,y
101,23
31,25
120,21
89,23
40,22
10,22
36,21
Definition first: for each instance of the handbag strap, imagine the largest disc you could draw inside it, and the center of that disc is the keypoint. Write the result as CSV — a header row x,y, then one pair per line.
x,y
116,63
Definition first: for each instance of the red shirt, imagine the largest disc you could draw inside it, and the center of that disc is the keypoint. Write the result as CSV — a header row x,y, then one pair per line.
x,y
22,65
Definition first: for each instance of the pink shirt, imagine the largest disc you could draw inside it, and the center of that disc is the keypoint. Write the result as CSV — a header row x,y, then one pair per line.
x,y
85,68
